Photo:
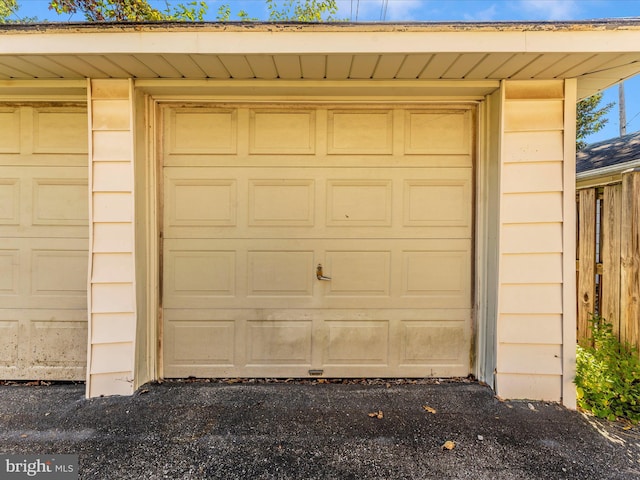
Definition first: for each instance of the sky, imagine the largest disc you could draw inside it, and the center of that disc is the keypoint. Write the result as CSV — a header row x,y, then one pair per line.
x,y
446,11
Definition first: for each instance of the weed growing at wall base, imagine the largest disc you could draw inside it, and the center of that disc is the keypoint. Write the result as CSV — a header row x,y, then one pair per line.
x,y
608,375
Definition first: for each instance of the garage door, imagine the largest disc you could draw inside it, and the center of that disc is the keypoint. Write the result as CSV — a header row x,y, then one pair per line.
x,y
43,242
316,240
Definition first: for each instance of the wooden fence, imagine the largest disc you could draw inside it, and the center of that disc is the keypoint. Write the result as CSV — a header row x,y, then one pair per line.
x,y
608,256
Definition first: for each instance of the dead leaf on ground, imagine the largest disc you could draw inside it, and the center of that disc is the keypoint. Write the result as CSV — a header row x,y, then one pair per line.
x,y
448,445
429,409
379,415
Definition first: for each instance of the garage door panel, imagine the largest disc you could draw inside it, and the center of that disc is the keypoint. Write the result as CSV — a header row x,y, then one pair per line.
x,y
359,273
286,342
272,342
43,344
9,130
48,137
438,132
443,200
200,202
31,135
425,343
253,273
217,131
283,132
43,242
207,273
58,343
49,287
380,197
363,203
357,343
280,273
262,203
281,202
9,342
438,274
210,342
9,272
10,201
31,273
43,201
60,202
360,132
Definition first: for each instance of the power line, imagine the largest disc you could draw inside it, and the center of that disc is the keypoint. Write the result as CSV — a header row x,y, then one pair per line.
x,y
383,10
14,10
632,119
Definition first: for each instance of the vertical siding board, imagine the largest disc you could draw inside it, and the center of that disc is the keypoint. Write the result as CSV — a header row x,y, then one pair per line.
x,y
90,331
112,282
630,257
569,318
610,225
586,260
146,234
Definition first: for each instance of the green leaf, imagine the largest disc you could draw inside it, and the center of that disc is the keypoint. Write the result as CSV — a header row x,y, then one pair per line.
x,y
607,382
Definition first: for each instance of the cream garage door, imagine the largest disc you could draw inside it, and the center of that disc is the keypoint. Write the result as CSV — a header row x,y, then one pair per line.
x,y
259,199
43,242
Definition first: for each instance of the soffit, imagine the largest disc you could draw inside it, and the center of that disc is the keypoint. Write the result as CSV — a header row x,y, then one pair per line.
x,y
598,54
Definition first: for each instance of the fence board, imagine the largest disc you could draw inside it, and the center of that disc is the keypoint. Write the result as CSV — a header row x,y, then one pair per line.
x,y
610,255
586,259
617,225
630,258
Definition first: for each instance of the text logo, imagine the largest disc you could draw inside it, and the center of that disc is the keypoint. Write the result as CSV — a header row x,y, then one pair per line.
x,y
49,467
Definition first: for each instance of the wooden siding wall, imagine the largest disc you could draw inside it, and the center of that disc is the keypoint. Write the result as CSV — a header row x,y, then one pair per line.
x,y
530,304
609,257
112,305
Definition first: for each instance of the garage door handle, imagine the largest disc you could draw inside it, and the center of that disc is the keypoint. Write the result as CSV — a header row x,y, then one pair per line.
x,y
319,274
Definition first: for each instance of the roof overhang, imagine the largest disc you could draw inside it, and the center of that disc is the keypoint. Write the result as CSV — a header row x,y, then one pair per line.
x,y
611,170
598,54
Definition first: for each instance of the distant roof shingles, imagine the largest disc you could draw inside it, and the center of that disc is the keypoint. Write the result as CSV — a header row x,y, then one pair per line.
x,y
609,152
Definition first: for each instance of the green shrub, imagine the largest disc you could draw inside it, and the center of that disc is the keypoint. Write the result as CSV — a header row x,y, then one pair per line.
x,y
608,375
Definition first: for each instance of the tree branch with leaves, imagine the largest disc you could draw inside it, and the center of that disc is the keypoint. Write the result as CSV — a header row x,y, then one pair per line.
x,y
130,10
194,11
591,118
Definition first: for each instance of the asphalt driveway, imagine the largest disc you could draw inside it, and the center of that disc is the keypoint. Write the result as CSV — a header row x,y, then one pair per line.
x,y
311,430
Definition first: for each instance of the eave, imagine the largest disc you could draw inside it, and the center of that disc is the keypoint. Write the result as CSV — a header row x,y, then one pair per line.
x,y
599,54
